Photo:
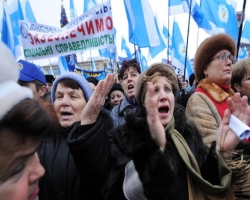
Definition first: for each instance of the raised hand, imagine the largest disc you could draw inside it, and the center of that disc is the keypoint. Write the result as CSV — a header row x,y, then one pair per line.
x,y
155,126
97,100
226,139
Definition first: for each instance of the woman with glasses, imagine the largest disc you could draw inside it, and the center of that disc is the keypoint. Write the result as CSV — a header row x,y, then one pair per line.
x,y
213,70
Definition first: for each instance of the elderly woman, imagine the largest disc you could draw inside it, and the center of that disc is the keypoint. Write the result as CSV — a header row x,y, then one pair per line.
x,y
213,70
23,123
70,94
156,154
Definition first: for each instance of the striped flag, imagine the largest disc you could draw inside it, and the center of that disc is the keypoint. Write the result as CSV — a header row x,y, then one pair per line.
x,y
142,27
245,36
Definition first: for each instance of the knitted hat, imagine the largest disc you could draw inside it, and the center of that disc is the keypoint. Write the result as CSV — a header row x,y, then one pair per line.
x,y
116,86
164,70
30,72
11,93
83,83
208,48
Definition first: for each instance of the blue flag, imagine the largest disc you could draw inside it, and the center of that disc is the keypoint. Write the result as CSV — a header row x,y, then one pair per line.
x,y
169,40
125,47
245,36
51,70
179,51
219,17
144,63
13,13
142,27
27,11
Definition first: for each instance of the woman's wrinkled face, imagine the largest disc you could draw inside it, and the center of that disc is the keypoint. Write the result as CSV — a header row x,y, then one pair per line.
x,y
219,70
20,170
164,99
68,105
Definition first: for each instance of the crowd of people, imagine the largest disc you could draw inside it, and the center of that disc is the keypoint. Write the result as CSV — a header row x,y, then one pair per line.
x,y
152,135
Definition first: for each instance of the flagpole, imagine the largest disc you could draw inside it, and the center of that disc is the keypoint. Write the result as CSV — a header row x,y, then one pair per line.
x,y
240,28
187,39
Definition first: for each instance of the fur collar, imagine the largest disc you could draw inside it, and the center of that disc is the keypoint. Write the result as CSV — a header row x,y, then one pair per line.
x,y
215,92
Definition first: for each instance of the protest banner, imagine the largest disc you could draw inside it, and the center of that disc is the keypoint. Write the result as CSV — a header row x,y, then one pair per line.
x,y
92,30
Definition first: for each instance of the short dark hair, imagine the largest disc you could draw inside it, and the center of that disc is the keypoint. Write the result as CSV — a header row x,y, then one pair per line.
x,y
37,83
129,63
70,83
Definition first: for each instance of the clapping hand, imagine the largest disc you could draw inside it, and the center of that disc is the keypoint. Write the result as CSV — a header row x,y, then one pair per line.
x,y
226,139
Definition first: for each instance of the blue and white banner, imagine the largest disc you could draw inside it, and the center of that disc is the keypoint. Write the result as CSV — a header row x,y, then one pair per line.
x,y
92,30
142,27
242,53
27,11
62,65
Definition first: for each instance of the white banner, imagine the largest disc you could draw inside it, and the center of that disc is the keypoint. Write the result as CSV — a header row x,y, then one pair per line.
x,y
92,30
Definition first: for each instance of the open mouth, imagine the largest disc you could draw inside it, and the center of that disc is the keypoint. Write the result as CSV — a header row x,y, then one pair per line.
x,y
66,113
130,87
163,109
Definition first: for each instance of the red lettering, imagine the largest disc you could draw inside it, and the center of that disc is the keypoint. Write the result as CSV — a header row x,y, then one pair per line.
x,y
72,34
99,25
90,27
109,23
31,39
36,39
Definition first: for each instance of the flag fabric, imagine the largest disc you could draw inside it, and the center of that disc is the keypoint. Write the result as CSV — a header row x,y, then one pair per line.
x,y
245,36
88,4
242,53
154,51
62,65
168,40
183,6
108,52
7,36
73,13
93,65
124,47
13,13
27,11
51,70
219,17
144,63
178,52
142,27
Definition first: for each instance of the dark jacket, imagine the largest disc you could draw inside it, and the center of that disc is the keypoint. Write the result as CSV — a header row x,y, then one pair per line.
x,y
61,180
90,148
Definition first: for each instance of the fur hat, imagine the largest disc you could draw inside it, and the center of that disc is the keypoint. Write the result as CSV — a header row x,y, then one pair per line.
x,y
116,86
11,93
164,70
87,91
208,48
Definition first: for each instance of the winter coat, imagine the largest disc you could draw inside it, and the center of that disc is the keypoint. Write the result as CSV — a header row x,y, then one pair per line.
x,y
202,113
163,175
61,180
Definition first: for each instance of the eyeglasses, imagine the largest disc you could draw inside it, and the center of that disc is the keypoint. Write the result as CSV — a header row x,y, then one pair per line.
x,y
224,56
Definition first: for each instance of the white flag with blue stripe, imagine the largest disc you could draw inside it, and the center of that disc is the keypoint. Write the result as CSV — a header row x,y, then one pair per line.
x,y
93,65
219,17
183,6
88,4
178,52
245,36
142,27
154,51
